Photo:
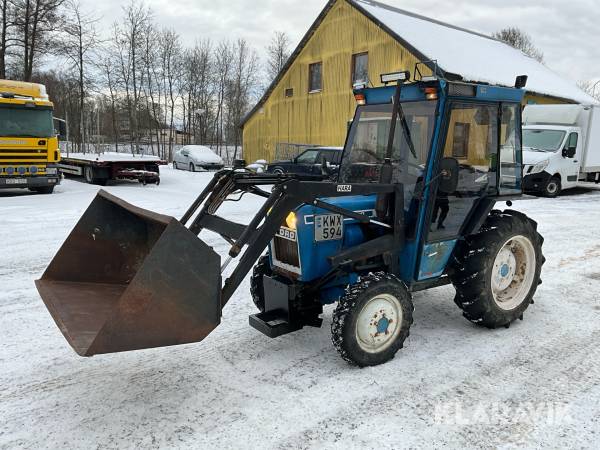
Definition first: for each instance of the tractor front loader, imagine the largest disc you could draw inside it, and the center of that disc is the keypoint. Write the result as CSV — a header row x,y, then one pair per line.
x,y
413,208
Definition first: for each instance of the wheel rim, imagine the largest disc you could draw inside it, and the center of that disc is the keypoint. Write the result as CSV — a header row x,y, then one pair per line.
x,y
278,172
552,187
513,273
379,323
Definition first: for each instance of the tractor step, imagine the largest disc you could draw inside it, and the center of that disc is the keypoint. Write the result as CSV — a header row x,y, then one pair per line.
x,y
275,323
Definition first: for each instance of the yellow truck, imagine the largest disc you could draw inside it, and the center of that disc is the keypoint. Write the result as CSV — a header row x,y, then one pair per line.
x,y
29,153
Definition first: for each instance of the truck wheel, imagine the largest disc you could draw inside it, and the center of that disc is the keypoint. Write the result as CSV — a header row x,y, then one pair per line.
x,y
372,320
497,271
261,269
553,188
88,174
91,177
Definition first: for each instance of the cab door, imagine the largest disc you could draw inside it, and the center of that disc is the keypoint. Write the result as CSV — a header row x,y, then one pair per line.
x,y
572,156
472,139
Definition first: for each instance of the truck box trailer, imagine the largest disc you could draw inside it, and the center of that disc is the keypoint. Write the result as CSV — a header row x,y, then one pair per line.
x,y
561,147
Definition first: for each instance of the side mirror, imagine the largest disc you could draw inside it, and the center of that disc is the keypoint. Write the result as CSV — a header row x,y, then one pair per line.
x,y
569,152
62,129
449,168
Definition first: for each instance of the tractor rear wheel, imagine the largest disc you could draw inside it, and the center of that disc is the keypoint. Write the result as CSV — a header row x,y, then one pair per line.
x,y
497,271
372,320
261,269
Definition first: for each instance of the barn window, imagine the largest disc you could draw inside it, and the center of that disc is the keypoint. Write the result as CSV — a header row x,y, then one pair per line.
x,y
460,146
315,77
289,92
360,68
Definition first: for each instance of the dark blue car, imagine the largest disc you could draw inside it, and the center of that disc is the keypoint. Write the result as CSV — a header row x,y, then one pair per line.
x,y
309,162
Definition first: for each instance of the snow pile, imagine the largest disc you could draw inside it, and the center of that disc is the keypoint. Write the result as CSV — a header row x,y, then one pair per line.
x,y
477,58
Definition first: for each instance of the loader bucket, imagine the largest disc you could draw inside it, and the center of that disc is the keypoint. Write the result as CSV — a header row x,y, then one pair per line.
x,y
129,279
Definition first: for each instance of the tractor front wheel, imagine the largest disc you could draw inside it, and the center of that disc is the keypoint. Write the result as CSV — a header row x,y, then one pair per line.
x,y
261,269
372,320
497,271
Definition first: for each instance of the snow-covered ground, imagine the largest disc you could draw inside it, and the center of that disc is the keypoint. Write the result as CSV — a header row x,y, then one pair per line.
x,y
453,385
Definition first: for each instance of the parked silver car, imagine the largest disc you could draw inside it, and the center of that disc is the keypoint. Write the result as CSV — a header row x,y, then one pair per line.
x,y
197,158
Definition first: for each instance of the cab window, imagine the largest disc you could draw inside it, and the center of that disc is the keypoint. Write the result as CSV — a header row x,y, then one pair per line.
x,y
472,139
511,171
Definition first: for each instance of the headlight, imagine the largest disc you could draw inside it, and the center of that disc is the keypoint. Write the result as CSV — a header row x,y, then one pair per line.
x,y
51,171
291,221
540,167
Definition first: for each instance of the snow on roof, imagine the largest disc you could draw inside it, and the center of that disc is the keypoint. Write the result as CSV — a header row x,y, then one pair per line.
x,y
474,56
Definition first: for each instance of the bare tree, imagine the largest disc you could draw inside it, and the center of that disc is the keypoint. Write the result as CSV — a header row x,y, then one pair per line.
x,y
223,67
591,87
170,52
35,21
108,68
520,40
79,41
278,52
7,35
129,37
242,83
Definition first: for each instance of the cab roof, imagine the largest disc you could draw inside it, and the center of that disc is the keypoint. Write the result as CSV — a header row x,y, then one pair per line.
x,y
467,91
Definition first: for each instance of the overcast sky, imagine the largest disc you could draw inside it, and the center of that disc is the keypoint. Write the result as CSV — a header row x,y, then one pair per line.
x,y
568,32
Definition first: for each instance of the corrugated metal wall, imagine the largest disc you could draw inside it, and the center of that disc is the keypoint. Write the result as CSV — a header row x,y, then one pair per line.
x,y
321,118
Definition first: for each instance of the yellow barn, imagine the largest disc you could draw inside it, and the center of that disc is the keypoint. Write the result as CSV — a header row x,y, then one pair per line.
x,y
354,41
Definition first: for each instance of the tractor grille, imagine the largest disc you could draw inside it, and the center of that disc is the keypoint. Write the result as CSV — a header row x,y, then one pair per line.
x,y
285,250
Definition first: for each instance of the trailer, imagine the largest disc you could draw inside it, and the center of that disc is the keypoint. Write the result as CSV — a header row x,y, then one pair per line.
x,y
111,166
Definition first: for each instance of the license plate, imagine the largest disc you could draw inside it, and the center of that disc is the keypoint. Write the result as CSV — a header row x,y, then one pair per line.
x,y
16,181
329,227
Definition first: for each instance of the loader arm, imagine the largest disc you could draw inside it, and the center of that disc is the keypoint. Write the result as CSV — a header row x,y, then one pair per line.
x,y
288,193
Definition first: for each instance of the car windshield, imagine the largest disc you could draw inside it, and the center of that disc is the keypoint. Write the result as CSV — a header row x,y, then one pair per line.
x,y
17,122
543,140
366,149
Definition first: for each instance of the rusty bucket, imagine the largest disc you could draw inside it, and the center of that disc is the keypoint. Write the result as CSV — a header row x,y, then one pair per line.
x,y
129,279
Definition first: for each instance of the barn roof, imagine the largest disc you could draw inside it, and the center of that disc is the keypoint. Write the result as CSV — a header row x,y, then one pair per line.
x,y
472,56
459,53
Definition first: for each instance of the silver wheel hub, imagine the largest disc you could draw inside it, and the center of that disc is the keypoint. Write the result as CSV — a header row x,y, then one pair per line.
x,y
379,323
513,273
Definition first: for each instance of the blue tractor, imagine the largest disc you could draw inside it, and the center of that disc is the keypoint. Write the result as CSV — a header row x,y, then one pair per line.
x,y
413,208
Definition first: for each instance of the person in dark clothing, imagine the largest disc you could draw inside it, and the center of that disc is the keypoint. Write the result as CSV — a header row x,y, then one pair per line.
x,y
440,212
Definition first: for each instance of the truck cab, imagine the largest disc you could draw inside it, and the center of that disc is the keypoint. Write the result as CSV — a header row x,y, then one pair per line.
x,y
561,147
28,142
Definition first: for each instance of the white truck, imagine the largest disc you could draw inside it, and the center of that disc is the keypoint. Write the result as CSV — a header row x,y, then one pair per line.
x,y
561,147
